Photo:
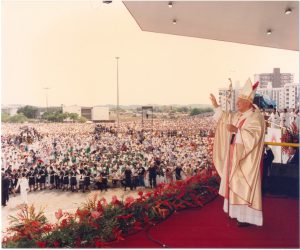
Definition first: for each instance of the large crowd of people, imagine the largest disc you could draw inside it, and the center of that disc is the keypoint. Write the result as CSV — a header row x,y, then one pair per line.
x,y
81,157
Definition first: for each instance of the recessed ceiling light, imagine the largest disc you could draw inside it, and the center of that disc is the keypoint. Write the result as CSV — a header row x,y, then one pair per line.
x,y
174,21
170,4
288,11
269,32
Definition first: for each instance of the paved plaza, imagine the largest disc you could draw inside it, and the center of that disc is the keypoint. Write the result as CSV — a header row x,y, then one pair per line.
x,y
51,201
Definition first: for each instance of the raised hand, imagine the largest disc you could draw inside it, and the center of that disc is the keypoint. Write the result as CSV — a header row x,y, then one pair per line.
x,y
214,101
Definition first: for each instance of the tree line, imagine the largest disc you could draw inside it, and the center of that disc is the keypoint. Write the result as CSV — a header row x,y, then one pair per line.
x,y
27,113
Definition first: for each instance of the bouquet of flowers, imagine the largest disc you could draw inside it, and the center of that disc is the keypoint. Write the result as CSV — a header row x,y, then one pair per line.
x,y
98,223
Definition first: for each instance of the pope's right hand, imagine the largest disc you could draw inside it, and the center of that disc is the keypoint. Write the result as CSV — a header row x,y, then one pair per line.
x,y
213,101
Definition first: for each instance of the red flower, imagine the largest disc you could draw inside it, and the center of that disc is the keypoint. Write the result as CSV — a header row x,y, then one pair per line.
x,y
128,201
95,225
78,243
41,244
140,193
47,228
64,223
99,207
95,214
99,243
125,217
82,214
137,225
56,244
35,223
115,201
58,214
118,234
103,201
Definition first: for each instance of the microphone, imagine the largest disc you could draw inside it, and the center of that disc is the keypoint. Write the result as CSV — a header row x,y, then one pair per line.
x,y
232,139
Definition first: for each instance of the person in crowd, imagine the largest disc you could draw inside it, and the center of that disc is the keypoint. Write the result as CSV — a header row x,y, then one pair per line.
x,y
267,164
42,180
141,175
284,118
294,156
57,179
135,178
5,183
66,181
24,188
73,180
169,175
274,119
52,177
127,178
87,181
152,175
178,170
31,179
104,181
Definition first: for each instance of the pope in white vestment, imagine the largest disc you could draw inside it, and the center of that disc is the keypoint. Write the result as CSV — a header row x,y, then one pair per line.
x,y
238,148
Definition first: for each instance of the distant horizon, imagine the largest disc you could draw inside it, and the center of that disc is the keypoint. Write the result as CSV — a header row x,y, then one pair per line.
x,y
114,105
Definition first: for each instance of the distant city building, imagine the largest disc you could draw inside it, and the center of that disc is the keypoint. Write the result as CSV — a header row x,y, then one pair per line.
x,y
276,78
100,113
96,113
291,95
285,97
10,109
72,109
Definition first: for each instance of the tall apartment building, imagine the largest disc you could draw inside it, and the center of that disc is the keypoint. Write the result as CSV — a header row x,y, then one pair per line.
x,y
285,97
291,95
277,78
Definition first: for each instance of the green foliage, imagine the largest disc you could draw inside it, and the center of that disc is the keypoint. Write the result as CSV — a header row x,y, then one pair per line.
x,y
82,119
198,111
18,118
182,109
28,111
73,116
58,116
5,117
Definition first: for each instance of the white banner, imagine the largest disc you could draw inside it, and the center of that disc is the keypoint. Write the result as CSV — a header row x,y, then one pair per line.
x,y
274,135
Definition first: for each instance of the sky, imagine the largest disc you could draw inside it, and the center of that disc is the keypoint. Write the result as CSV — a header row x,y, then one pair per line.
x,y
70,47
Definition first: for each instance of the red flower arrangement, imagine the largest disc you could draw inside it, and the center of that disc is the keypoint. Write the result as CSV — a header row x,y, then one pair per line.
x,y
97,223
290,136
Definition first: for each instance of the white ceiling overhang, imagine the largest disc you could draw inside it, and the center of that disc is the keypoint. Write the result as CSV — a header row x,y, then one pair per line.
x,y
244,22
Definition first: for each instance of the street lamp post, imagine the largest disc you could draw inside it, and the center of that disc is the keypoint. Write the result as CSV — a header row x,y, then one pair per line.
x,y
46,88
118,118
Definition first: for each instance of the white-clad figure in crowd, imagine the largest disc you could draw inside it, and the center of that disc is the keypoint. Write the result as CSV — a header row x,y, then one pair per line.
x,y
24,188
284,118
274,119
294,118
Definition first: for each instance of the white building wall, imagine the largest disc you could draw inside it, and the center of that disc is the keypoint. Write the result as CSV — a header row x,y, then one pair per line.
x,y
100,113
291,95
72,109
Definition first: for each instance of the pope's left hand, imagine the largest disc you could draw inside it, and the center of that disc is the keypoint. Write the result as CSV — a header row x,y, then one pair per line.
x,y
231,128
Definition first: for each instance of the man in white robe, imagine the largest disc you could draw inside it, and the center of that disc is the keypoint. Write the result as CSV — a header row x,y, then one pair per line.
x,y
237,153
24,187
